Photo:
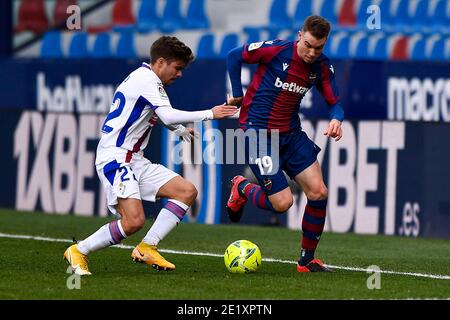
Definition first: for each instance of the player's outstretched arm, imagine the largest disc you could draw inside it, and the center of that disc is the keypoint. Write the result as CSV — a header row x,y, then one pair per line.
x,y
170,116
224,111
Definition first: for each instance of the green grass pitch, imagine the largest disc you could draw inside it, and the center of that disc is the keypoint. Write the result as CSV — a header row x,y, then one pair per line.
x,y
34,269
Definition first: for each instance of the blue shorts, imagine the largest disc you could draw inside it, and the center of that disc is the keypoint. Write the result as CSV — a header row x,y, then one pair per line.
x,y
293,153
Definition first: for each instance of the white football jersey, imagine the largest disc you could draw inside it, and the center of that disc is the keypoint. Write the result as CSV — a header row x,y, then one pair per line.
x,y
128,125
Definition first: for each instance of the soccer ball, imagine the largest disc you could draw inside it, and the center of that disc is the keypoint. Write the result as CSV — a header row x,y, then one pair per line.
x,y
242,256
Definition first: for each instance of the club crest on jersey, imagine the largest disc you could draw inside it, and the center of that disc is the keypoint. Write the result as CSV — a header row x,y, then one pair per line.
x,y
162,92
312,77
267,183
122,188
255,45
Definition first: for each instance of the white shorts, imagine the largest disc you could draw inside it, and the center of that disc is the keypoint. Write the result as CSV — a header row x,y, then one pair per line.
x,y
139,179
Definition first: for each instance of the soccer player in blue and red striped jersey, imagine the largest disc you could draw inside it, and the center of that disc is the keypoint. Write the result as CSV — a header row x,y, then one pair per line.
x,y
286,71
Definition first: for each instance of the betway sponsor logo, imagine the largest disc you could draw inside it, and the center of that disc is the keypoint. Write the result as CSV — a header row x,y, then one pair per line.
x,y
419,99
291,87
73,96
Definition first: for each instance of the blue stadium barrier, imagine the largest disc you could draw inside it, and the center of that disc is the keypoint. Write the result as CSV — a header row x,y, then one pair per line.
x,y
102,46
205,47
125,46
171,19
196,17
302,11
148,19
51,45
229,42
78,47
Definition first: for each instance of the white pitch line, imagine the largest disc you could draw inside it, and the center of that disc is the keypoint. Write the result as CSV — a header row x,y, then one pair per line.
x,y
207,254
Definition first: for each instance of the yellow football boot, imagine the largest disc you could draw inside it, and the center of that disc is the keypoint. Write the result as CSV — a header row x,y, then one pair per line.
x,y
145,253
77,260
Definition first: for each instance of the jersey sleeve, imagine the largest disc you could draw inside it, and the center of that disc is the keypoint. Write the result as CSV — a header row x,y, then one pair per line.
x,y
257,52
154,93
329,91
262,52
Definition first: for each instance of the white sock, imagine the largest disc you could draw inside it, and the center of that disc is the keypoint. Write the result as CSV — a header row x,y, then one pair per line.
x,y
108,235
168,218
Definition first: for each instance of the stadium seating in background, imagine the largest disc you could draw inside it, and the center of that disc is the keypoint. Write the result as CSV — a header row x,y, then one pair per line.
x,y
125,45
60,14
302,11
410,29
328,11
339,46
401,18
358,45
78,47
399,44
377,46
420,19
32,17
347,14
447,48
51,45
361,13
278,16
229,42
416,49
102,46
196,17
148,19
386,15
441,16
205,47
426,47
437,47
122,15
253,34
171,19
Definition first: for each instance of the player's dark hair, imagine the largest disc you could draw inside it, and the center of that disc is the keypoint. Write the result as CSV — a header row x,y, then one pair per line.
x,y
171,49
318,26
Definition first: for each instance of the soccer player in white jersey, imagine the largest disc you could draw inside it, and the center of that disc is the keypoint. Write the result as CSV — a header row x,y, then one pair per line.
x,y
128,177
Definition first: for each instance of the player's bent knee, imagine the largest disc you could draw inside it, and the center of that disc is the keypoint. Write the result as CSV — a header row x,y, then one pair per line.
x,y
192,192
318,194
133,224
189,193
136,224
283,205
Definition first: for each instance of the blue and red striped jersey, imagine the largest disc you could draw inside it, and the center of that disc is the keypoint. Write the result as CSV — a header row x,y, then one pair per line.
x,y
282,79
